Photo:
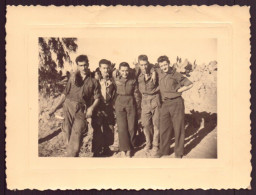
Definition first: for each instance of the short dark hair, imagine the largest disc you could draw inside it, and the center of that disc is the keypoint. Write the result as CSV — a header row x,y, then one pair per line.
x,y
104,61
143,58
163,58
82,58
124,64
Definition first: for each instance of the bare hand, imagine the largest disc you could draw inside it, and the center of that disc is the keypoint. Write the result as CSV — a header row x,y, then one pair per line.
x,y
153,77
50,113
89,112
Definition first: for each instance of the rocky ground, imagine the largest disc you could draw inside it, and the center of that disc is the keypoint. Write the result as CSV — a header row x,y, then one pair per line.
x,y
200,121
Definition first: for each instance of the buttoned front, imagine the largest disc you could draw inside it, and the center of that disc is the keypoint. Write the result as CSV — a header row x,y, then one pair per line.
x,y
147,85
125,86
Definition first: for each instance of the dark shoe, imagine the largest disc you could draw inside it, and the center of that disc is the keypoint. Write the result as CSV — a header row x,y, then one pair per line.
x,y
178,156
106,151
96,154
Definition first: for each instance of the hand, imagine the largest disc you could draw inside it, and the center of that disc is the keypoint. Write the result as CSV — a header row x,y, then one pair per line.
x,y
50,113
153,77
89,112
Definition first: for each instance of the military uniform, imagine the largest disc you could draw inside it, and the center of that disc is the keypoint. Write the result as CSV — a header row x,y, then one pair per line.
x,y
78,99
125,111
172,111
150,106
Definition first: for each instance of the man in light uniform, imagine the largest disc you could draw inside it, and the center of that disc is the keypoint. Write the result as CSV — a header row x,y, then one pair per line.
x,y
150,104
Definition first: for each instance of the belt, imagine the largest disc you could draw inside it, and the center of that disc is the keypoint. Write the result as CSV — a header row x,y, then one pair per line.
x,y
150,95
167,99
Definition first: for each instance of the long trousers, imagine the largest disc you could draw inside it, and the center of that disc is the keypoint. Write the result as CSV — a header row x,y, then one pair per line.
x,y
103,125
150,106
74,126
125,118
172,120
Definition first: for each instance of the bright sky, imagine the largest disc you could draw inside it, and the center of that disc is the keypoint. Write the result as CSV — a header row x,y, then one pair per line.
x,y
126,44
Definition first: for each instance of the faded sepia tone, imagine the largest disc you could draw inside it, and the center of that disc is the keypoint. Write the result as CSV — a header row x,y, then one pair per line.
x,y
186,57
209,41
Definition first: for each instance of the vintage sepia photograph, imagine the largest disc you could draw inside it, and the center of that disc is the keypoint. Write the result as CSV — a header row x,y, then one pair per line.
x,y
127,96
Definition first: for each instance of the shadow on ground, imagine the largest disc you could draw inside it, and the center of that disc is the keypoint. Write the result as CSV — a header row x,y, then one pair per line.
x,y
197,126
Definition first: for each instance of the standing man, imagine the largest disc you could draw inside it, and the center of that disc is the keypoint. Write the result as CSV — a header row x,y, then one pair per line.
x,y
125,105
150,104
172,112
80,98
106,106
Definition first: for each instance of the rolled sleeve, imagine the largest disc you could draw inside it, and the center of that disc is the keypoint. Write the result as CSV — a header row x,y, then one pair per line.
x,y
184,81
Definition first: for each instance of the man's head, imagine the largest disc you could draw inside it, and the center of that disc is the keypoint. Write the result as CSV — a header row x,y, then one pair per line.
x,y
104,66
143,63
124,69
164,63
82,63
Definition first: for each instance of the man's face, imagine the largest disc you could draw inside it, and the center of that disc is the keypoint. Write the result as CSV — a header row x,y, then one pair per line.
x,y
104,69
124,71
164,66
83,67
143,64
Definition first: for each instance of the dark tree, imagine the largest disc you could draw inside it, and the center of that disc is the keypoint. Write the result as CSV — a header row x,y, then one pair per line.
x,y
49,77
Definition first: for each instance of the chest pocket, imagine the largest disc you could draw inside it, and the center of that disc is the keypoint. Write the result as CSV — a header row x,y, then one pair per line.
x,y
150,85
120,87
87,92
129,87
172,84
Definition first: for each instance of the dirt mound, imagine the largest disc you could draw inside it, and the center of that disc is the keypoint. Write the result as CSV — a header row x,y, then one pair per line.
x,y
203,95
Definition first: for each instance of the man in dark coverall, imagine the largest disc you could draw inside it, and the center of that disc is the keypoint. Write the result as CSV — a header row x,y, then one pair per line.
x,y
105,114
80,97
150,103
172,112
126,86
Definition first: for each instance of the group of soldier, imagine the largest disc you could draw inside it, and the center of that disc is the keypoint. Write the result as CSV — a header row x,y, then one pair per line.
x,y
111,96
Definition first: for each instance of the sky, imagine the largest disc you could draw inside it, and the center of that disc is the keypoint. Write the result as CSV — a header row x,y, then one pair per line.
x,y
126,44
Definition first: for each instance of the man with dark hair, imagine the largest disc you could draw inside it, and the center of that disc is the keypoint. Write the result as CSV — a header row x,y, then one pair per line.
x,y
82,58
172,84
125,105
150,103
105,115
80,98
143,58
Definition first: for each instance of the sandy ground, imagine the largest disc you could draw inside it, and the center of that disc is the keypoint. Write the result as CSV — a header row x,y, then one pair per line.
x,y
200,124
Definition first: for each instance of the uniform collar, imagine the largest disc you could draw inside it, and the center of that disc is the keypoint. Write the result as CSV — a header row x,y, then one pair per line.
x,y
108,82
171,71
